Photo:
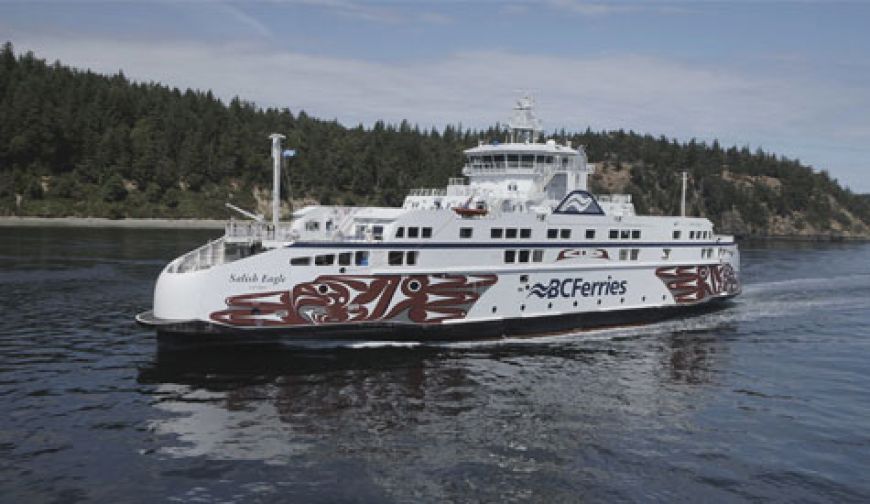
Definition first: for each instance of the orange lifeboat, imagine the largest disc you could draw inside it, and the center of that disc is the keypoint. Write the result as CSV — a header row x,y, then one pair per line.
x,y
470,212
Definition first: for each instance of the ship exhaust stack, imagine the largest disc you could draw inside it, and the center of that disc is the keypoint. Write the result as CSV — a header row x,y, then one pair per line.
x,y
276,177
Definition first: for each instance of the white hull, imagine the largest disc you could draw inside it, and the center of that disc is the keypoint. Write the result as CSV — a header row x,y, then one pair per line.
x,y
263,294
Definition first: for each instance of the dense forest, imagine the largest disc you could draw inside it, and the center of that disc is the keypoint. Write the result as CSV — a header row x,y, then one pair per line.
x,y
77,143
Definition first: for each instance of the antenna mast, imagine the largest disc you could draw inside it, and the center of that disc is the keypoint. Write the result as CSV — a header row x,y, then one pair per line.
x,y
683,199
276,177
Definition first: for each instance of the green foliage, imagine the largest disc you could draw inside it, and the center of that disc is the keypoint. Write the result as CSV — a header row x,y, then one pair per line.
x,y
187,152
113,189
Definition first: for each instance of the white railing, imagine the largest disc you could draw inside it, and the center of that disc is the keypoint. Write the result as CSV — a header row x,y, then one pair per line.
x,y
210,254
253,231
613,198
427,192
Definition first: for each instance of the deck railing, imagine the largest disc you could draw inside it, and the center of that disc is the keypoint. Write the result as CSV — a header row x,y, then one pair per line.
x,y
252,231
210,254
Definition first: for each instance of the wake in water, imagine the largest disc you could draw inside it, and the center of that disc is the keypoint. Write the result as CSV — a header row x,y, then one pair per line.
x,y
765,300
758,301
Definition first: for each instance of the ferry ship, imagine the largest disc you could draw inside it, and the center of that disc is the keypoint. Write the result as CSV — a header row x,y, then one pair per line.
x,y
517,246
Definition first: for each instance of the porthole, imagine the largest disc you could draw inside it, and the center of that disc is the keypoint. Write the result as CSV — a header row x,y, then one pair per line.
x,y
493,309
549,305
413,285
322,288
599,301
575,304
522,307
621,300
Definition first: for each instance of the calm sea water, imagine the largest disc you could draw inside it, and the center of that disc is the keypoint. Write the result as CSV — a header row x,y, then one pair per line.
x,y
769,399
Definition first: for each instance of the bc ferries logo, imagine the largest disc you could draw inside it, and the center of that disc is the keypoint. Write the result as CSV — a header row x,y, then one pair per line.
x,y
579,202
573,287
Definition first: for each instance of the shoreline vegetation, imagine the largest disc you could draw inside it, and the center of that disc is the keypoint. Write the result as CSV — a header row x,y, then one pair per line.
x,y
103,222
76,143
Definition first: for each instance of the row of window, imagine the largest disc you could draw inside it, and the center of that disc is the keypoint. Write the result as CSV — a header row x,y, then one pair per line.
x,y
624,234
515,160
553,233
629,254
409,258
414,232
694,235
523,255
509,232
399,258
359,258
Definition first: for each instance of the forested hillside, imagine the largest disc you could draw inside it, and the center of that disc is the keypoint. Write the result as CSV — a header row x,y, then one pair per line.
x,y
77,143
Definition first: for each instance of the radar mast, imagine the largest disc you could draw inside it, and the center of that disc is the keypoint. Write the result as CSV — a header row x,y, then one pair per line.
x,y
524,126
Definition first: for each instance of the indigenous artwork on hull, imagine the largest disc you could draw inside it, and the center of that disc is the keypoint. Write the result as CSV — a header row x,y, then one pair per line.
x,y
334,299
580,253
693,284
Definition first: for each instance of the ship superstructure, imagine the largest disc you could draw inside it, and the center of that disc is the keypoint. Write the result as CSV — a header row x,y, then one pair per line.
x,y
518,245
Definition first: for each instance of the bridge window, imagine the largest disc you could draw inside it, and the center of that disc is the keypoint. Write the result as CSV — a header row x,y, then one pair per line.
x,y
524,256
344,259
691,235
312,225
411,258
635,234
510,256
676,234
300,261
624,234
528,160
513,160
623,254
400,232
510,233
378,232
324,260
427,232
538,255
495,232
413,232
634,254
525,233
552,233
565,234
590,234
465,232
614,233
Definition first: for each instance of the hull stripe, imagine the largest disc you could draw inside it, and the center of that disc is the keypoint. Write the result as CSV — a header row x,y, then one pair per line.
x,y
498,245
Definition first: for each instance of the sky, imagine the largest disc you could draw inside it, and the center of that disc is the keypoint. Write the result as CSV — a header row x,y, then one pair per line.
x,y
791,77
